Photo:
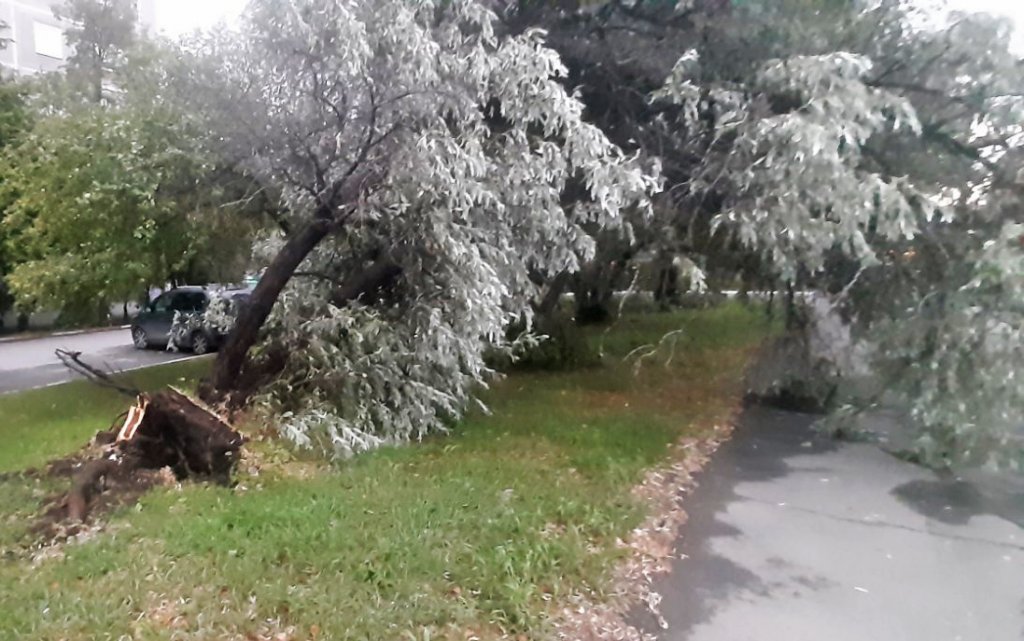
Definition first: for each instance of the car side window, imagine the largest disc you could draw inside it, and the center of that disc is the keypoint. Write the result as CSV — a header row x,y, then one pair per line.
x,y
162,303
189,302
197,301
179,302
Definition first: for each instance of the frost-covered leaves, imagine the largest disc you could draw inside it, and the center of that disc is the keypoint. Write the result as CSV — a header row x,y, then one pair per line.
x,y
475,142
784,153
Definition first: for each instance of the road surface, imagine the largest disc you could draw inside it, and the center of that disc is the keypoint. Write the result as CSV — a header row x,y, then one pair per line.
x,y
28,364
796,538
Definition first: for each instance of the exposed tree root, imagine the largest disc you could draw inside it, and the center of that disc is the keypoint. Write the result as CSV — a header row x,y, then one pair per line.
x,y
166,434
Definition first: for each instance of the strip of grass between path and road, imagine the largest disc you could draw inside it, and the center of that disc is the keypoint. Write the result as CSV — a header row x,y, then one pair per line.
x,y
476,534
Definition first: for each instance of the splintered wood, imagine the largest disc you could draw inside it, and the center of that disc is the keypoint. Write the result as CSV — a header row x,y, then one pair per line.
x,y
133,420
165,431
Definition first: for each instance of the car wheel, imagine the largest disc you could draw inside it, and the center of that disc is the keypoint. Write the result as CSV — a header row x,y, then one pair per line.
x,y
200,344
139,338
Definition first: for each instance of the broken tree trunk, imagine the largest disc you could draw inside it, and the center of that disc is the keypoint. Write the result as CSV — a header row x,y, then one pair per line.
x,y
162,430
165,430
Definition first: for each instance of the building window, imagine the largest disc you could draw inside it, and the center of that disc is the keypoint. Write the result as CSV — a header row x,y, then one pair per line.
x,y
49,40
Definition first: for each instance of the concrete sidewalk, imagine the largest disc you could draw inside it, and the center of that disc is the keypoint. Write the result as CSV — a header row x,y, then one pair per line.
x,y
793,537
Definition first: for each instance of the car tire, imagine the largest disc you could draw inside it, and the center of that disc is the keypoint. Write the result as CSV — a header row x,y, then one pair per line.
x,y
139,338
200,343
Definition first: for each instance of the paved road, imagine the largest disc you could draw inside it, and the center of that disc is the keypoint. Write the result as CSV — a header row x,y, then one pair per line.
x,y
795,538
32,363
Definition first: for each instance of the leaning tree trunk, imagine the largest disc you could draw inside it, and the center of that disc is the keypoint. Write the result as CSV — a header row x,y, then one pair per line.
x,y
228,367
233,355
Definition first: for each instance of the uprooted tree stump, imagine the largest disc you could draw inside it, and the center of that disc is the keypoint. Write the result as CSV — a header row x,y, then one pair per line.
x,y
163,430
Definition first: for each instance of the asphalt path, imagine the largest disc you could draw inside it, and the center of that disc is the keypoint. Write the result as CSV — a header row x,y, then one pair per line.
x,y
794,537
30,364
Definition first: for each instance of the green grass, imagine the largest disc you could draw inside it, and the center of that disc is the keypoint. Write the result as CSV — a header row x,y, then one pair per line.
x,y
41,425
479,532
44,424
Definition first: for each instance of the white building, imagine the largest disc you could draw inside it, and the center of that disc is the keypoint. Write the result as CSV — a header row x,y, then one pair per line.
x,y
36,36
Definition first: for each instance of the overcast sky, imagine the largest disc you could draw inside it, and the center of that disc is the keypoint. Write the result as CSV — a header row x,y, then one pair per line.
x,y
181,16
178,17
1013,9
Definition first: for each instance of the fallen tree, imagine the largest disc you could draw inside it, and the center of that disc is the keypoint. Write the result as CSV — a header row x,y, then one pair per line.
x,y
419,160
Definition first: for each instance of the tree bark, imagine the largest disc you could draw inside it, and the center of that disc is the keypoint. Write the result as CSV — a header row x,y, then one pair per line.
x,y
595,290
793,320
243,336
553,294
235,351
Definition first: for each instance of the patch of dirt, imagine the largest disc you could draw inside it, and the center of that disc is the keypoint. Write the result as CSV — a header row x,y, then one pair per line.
x,y
649,549
122,488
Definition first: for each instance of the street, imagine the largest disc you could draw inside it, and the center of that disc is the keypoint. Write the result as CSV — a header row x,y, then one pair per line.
x,y
28,364
793,536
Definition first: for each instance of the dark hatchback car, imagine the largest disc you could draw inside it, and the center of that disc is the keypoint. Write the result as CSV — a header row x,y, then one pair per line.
x,y
152,327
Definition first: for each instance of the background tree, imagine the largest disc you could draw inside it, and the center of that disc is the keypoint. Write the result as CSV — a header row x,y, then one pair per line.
x,y
14,121
853,151
107,196
104,202
100,34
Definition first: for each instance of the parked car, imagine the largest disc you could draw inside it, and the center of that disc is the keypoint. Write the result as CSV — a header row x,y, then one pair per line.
x,y
152,327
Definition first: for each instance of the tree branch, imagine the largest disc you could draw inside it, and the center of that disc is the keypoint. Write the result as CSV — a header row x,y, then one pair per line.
x,y
383,272
73,361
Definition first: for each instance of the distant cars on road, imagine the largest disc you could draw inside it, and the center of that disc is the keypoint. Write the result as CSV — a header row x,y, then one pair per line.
x,y
152,327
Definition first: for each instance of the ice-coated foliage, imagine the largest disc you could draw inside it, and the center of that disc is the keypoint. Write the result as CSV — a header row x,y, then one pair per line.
x,y
471,141
786,155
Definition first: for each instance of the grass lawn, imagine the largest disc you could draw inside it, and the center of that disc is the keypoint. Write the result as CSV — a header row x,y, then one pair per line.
x,y
43,424
473,534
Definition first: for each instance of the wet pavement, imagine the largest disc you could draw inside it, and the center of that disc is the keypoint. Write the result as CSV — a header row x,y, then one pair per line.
x,y
796,537
29,364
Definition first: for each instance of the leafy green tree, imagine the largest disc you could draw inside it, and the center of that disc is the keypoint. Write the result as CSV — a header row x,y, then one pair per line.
x,y
103,202
14,121
111,190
